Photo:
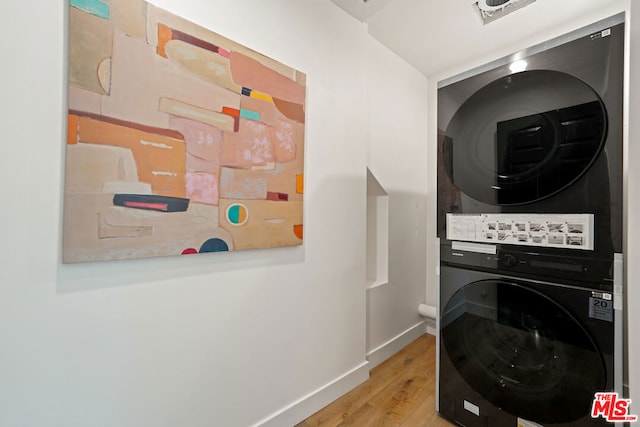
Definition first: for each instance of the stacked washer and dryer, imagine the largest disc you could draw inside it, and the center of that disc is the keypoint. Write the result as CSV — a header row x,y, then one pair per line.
x,y
530,229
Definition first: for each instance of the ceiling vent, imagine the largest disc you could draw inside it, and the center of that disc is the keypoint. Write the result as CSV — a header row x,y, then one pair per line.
x,y
490,10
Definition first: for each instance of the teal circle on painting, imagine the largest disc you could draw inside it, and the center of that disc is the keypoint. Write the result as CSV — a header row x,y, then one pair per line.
x,y
237,214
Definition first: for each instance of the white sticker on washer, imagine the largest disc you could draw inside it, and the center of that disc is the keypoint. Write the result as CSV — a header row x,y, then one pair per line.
x,y
474,409
474,247
527,423
570,231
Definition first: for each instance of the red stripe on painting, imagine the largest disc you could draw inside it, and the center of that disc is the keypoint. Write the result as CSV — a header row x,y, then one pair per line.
x,y
145,205
187,38
277,197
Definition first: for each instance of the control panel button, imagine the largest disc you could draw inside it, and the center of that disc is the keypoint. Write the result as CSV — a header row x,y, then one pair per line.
x,y
509,260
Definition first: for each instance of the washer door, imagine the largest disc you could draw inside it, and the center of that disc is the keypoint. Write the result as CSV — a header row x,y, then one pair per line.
x,y
522,351
524,137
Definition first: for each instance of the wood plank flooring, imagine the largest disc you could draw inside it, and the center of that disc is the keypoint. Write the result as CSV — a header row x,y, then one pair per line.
x,y
400,392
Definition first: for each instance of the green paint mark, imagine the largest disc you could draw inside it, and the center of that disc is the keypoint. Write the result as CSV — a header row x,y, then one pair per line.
x,y
248,114
234,214
94,7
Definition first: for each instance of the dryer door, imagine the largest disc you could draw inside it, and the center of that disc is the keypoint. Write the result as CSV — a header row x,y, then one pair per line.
x,y
522,351
524,137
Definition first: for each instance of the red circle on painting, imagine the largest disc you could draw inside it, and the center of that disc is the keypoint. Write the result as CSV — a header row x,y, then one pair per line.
x,y
189,251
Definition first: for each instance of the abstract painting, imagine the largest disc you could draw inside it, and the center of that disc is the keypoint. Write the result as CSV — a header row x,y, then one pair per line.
x,y
180,141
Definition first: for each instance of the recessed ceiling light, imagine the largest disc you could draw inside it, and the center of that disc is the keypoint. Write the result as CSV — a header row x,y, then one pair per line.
x,y
518,66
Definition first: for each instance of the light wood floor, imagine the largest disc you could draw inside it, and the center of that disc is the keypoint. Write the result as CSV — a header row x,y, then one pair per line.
x,y
400,392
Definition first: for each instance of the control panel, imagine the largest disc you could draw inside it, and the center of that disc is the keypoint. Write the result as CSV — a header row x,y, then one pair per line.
x,y
582,270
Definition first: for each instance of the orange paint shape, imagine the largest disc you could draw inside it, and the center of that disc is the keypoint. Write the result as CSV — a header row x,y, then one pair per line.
x,y
231,111
242,215
297,230
160,160
300,184
291,110
261,96
72,129
165,34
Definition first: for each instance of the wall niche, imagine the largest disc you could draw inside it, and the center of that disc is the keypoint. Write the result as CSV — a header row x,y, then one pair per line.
x,y
377,233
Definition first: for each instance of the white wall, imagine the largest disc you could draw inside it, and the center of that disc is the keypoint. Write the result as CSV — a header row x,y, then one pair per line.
x,y
218,339
397,157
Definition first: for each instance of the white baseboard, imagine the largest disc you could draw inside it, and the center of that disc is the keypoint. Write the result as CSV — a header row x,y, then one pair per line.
x,y
313,402
323,396
431,327
391,347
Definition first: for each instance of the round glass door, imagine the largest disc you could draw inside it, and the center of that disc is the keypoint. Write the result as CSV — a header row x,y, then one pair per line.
x,y
522,351
524,137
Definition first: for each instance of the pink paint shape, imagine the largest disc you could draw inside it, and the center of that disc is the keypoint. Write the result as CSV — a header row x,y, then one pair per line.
x,y
248,72
251,146
284,145
202,187
197,164
202,143
223,52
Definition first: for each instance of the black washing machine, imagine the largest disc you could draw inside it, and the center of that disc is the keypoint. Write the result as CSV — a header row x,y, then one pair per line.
x,y
530,225
516,351
544,140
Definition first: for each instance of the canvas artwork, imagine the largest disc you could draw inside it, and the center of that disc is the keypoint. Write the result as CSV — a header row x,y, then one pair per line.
x,y
180,141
